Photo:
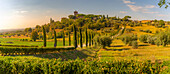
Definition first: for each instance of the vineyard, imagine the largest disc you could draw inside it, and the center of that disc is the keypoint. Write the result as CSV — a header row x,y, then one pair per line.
x,y
15,65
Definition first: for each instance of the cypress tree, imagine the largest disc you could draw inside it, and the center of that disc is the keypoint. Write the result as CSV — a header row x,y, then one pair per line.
x,y
63,39
86,37
55,39
78,37
81,43
75,36
89,39
69,39
44,36
92,35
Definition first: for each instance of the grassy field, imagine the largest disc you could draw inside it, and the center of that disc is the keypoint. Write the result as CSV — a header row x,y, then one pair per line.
x,y
16,41
119,51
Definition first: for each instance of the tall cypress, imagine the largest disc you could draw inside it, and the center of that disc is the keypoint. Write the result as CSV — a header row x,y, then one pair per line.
x,y
69,38
92,35
44,37
75,36
89,39
78,37
55,39
81,43
86,37
63,39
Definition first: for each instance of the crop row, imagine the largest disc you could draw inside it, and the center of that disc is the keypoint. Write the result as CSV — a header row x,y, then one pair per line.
x,y
31,50
46,66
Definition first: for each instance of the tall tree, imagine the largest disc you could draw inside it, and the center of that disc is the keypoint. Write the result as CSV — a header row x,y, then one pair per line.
x,y
86,37
75,36
92,36
78,37
55,39
69,38
89,39
63,39
44,37
81,43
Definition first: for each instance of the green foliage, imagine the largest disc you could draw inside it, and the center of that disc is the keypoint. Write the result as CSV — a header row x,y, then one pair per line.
x,y
29,50
75,36
103,40
81,43
89,38
163,38
147,31
34,35
63,39
143,38
134,44
55,39
127,39
151,40
44,37
86,37
17,65
28,30
69,39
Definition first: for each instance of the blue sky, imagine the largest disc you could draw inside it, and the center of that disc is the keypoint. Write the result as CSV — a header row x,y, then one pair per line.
x,y
28,13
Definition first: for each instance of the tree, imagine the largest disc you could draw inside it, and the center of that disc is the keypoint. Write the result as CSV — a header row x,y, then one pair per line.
x,y
86,37
143,38
163,2
75,36
55,39
134,44
162,23
44,37
69,38
34,35
63,39
89,39
103,40
72,17
81,43
92,35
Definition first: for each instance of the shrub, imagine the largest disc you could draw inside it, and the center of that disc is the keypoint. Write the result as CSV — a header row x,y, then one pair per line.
x,y
134,44
127,39
34,35
103,40
30,50
143,38
129,29
151,40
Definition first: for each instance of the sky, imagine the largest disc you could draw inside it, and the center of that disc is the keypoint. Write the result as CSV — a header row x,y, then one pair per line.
x,y
16,14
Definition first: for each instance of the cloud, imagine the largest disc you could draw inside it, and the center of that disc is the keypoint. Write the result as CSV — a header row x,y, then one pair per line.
x,y
21,11
150,6
161,15
128,2
135,8
123,12
150,12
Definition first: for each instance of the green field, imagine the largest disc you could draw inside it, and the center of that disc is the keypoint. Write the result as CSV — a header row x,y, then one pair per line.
x,y
16,41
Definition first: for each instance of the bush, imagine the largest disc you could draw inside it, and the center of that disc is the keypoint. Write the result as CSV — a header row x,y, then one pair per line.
x,y
151,40
103,40
30,50
130,29
143,38
127,39
134,44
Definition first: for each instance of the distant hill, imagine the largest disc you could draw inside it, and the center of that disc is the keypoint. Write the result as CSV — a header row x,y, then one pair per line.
x,y
8,30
